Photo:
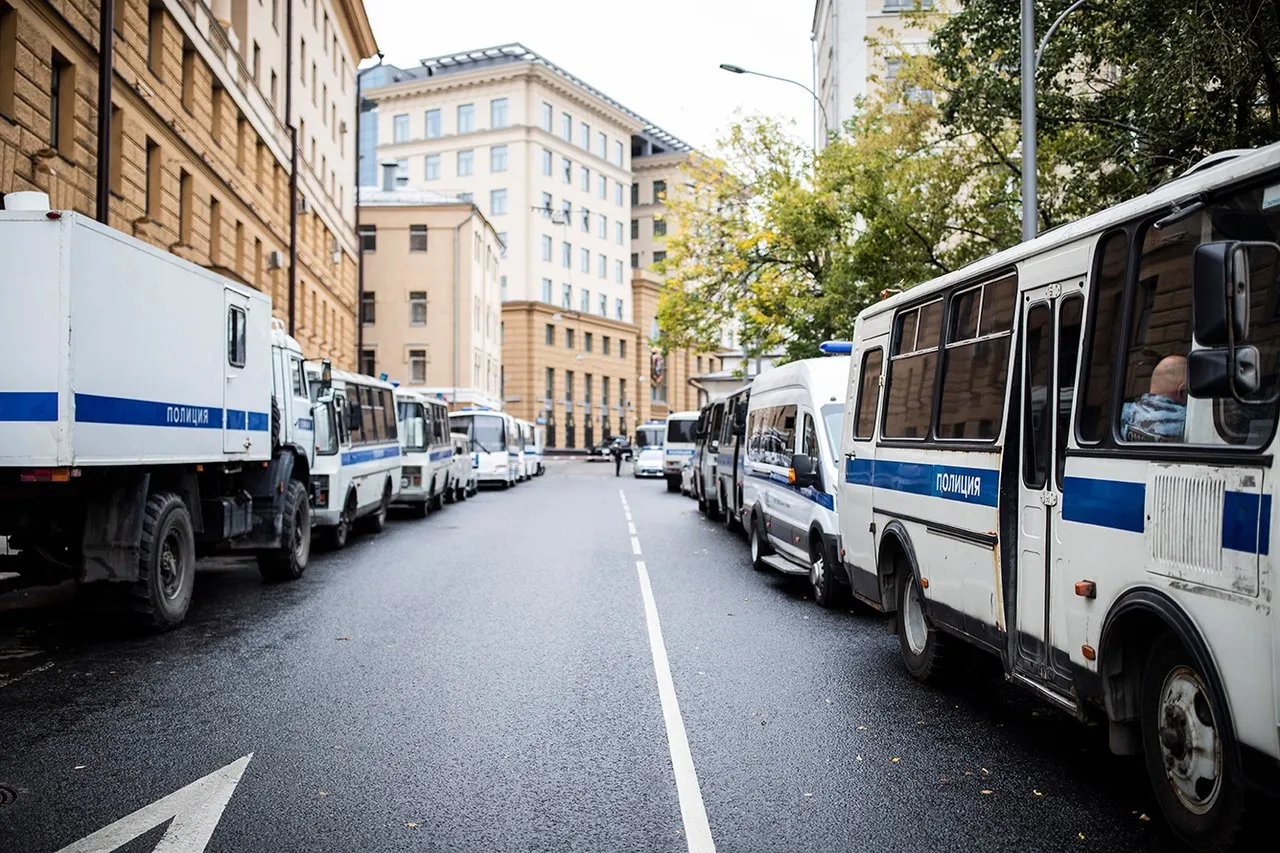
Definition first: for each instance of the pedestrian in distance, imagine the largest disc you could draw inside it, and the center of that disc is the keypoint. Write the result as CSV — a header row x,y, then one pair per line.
x,y
615,450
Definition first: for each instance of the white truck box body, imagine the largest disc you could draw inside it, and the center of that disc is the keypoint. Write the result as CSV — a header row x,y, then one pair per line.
x,y
113,352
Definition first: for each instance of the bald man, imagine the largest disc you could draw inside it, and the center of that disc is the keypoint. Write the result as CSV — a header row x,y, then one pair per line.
x,y
1161,413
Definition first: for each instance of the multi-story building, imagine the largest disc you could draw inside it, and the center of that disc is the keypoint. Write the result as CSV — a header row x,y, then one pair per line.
x,y
553,164
431,307
856,45
199,149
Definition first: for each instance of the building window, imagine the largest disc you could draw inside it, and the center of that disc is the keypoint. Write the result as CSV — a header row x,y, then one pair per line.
x,y
566,298
62,106
154,168
617,311
497,202
432,124
498,113
617,271
602,186
659,226
545,210
604,305
635,229
635,260
466,118
566,127
587,341
659,192
635,194
186,206
189,77
502,245
549,336
498,158
466,163
566,255
502,288
400,128
417,308
368,362
547,116
584,301
546,248
584,136
568,337
585,185
584,259
432,172
465,197
546,290
617,194
602,266
368,237
9,55
617,233
566,168
417,238
602,227
368,313
622,342
602,145
155,45
617,153
604,345
659,257
417,367
402,169
546,162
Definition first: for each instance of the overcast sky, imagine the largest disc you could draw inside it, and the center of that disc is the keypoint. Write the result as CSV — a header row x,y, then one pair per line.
x,y
659,58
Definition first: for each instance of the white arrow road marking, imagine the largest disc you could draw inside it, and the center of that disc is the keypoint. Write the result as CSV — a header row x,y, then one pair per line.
x,y
195,809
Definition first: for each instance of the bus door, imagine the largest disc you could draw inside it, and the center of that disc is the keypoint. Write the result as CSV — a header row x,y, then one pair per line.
x,y
1051,317
857,533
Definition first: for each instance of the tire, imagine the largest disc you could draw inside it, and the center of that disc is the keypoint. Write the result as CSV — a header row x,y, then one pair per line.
x,y
713,509
822,575
924,647
464,492
449,494
159,598
288,561
673,485
338,535
731,521
759,544
1179,707
419,510
377,522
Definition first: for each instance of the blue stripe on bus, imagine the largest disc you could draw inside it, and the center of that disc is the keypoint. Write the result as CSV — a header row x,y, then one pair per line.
x,y
123,411
678,451
967,485
355,457
259,421
1116,504
28,406
809,493
441,454
1246,522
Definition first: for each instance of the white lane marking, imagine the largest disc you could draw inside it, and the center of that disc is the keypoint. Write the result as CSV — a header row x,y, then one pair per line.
x,y
195,809
635,545
14,679
631,528
697,831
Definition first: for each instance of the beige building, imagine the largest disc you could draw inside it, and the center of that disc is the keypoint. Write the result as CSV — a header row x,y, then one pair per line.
x,y
856,45
200,153
654,181
432,304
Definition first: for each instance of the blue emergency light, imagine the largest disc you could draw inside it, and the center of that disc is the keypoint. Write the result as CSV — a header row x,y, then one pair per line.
x,y
836,347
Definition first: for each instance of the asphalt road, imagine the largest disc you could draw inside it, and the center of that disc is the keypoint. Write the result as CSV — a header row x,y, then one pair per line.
x,y
483,680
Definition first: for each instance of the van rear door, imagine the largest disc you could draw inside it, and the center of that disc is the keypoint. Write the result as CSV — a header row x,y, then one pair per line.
x,y
237,395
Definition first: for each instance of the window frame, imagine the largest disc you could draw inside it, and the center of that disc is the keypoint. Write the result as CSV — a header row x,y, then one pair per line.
x,y
862,388
237,335
981,284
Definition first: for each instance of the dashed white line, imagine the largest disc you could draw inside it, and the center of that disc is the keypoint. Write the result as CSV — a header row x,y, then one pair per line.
x,y
631,527
635,544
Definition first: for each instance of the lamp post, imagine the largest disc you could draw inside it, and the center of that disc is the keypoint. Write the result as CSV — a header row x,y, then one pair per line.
x,y
826,128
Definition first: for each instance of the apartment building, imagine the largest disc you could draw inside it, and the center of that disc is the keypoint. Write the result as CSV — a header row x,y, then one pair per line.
x,y
856,45
200,144
431,307
552,163
655,178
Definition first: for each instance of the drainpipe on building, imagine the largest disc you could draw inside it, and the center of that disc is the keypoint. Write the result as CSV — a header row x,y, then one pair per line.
x,y
106,44
293,165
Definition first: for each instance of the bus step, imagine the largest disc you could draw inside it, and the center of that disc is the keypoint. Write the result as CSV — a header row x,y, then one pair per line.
x,y
1065,702
782,564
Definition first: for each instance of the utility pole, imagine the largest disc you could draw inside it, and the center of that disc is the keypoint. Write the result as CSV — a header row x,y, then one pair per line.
x,y
1029,190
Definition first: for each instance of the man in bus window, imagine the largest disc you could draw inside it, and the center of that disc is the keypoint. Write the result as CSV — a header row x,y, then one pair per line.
x,y
1161,413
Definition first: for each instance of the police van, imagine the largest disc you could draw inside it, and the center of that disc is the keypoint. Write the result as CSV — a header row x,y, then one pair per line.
x,y
494,443
678,446
731,456
1065,454
707,434
462,474
150,410
534,450
426,448
356,476
792,471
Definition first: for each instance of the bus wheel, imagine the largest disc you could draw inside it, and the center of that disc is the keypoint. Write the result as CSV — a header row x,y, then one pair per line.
x,y
759,544
923,646
289,561
341,532
731,522
377,522
822,576
1186,745
159,598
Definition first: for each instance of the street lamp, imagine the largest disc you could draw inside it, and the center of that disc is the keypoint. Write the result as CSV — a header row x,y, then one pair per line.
x,y
738,69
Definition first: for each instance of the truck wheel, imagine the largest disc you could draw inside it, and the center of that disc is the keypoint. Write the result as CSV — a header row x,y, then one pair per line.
x,y
341,532
1188,749
822,576
289,560
377,522
924,647
159,598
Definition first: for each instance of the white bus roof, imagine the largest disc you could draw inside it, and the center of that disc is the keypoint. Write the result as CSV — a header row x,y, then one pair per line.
x,y
824,377
683,416
1246,165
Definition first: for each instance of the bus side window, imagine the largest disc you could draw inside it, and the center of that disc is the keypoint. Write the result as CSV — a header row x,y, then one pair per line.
x,y
1039,387
388,414
1106,302
1070,313
864,425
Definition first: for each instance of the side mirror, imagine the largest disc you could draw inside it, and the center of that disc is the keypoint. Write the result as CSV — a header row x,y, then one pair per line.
x,y
1210,373
804,471
1220,293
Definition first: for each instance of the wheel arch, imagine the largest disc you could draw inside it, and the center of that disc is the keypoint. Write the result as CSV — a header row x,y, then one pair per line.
x,y
895,550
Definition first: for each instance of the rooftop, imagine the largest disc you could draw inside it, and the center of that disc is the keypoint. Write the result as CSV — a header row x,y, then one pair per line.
x,y
660,140
405,197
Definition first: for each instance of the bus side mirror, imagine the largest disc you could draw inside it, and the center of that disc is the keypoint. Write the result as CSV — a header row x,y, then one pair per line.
x,y
1210,373
804,472
1220,293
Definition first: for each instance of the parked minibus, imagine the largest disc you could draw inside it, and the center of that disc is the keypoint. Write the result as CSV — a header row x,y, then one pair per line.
x,y
706,452
356,475
495,443
1064,454
426,449
533,449
678,444
730,457
792,471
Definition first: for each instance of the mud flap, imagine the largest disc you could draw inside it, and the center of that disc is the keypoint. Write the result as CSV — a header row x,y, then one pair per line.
x,y
113,531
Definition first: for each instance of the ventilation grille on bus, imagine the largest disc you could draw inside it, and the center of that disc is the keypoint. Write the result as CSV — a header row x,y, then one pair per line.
x,y
1186,525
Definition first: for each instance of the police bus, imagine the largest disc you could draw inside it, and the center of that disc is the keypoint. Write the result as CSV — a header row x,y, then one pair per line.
x,y
495,444
426,472
1064,454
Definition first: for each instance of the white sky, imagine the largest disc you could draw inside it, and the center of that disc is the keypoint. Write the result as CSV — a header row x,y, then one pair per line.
x,y
657,57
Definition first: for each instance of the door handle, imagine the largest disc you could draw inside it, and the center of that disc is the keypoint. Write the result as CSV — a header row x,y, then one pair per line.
x,y
851,455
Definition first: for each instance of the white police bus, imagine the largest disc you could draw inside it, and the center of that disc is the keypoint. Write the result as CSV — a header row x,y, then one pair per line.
x,y
426,470
678,446
1064,454
356,475
495,444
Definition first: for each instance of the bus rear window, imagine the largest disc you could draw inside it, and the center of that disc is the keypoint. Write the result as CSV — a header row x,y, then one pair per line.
x,y
680,432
